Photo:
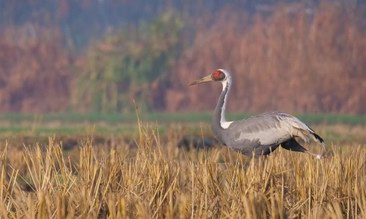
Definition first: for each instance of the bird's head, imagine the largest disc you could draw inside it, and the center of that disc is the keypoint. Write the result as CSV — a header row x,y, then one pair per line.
x,y
218,75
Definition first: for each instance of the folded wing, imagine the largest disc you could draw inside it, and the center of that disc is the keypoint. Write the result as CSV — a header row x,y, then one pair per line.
x,y
267,131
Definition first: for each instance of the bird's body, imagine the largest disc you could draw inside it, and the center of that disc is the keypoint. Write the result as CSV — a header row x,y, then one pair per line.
x,y
260,134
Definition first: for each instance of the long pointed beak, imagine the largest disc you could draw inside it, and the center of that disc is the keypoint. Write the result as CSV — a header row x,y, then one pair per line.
x,y
208,78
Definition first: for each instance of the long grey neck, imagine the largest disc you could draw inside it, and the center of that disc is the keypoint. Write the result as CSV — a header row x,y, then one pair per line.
x,y
219,123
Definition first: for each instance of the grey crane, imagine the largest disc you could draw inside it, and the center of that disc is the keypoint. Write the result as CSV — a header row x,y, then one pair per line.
x,y
260,134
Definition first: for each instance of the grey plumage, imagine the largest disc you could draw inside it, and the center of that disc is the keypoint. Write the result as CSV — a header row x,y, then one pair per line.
x,y
260,134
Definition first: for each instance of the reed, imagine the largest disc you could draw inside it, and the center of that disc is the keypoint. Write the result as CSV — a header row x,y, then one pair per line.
x,y
157,180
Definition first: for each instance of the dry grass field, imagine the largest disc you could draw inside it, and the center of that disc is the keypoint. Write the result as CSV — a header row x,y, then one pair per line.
x,y
155,179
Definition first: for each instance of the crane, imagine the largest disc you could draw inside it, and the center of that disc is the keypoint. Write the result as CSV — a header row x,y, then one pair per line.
x,y
261,134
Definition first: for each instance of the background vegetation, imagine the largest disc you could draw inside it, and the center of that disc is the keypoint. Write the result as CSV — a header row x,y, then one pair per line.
x,y
99,56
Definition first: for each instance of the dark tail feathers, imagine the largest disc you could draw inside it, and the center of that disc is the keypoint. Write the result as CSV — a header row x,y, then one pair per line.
x,y
318,138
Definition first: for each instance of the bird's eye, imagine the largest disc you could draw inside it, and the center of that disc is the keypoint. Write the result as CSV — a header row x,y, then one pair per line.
x,y
218,75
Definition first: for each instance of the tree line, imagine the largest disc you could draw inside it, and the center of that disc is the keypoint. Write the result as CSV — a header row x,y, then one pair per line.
x,y
287,57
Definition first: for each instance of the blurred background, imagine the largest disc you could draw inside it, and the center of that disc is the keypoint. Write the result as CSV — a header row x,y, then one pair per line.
x,y
97,56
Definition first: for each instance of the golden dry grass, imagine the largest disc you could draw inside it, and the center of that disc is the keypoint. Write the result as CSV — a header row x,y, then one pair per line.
x,y
157,180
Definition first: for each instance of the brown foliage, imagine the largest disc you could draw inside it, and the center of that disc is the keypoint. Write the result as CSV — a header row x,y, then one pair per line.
x,y
34,70
294,60
289,58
